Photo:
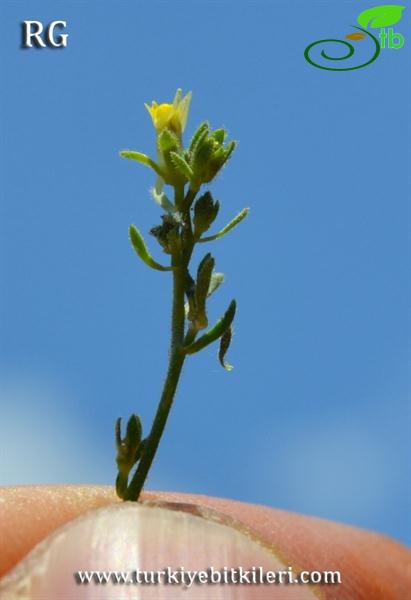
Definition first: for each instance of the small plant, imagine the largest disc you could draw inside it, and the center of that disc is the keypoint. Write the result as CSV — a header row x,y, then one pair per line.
x,y
185,220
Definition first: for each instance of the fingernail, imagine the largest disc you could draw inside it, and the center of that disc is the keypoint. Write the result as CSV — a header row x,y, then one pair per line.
x,y
140,540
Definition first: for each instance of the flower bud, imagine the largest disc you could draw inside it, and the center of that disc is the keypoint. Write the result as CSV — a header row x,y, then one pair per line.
x,y
127,448
209,155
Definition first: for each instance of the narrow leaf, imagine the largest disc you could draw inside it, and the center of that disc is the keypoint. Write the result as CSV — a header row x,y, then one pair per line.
x,y
215,282
141,249
241,215
204,273
224,346
181,165
143,159
215,332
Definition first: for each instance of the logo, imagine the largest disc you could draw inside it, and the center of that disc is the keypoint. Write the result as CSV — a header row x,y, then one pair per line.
x,y
379,17
34,32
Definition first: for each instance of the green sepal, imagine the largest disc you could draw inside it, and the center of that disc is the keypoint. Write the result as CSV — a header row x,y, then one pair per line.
x,y
204,272
141,249
167,141
201,132
237,219
214,333
169,144
143,159
219,135
181,165
225,341
221,156
201,156
205,213
230,149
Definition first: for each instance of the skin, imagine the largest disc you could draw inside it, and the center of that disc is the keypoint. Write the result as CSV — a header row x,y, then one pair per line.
x,y
372,566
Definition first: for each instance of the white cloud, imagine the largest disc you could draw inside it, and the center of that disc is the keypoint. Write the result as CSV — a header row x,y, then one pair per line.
x,y
41,441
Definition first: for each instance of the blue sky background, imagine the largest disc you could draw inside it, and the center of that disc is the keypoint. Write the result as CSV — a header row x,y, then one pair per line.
x,y
315,416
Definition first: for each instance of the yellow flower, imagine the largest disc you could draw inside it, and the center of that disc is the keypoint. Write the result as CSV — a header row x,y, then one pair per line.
x,y
171,116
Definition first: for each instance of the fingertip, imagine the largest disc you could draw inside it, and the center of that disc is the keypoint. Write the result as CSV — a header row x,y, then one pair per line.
x,y
157,548
371,565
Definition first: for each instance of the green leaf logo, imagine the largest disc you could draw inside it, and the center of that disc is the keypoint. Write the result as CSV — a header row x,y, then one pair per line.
x,y
381,16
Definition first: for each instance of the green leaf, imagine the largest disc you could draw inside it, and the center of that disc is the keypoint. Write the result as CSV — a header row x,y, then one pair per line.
x,y
181,165
215,282
205,212
141,249
237,219
225,342
214,333
143,159
204,273
381,16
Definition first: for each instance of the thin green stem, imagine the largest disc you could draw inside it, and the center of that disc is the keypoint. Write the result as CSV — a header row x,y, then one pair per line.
x,y
170,385
179,263
179,196
190,336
